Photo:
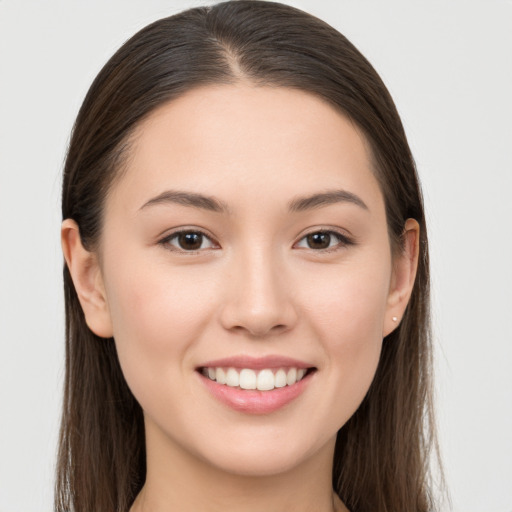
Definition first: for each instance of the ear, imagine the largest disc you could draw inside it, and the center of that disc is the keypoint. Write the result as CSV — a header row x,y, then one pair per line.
x,y
402,280
85,271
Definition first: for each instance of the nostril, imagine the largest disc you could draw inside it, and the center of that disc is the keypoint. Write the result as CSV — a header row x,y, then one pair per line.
x,y
258,313
259,331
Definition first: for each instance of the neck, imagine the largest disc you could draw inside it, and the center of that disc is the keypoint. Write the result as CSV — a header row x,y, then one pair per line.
x,y
177,480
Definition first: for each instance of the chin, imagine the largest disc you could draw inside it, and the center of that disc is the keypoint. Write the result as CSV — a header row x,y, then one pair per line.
x,y
266,455
258,464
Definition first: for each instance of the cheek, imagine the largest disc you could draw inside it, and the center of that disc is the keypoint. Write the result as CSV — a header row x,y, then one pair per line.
x,y
157,314
348,318
349,309
157,304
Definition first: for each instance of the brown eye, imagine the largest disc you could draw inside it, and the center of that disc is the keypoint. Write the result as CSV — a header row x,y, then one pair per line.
x,y
188,241
319,240
324,240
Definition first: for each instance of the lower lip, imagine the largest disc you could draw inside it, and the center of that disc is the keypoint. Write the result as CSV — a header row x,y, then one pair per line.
x,y
254,401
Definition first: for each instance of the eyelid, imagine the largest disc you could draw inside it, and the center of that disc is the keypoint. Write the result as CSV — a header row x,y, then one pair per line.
x,y
344,239
164,241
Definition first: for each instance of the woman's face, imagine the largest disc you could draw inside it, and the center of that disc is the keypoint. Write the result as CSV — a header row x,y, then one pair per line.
x,y
247,240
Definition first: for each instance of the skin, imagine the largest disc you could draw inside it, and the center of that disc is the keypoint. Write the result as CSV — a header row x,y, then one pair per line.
x,y
255,287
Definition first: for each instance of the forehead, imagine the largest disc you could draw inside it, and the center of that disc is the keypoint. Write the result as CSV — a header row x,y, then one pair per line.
x,y
240,140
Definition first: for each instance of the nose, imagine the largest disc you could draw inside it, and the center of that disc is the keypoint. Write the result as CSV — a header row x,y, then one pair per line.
x,y
259,297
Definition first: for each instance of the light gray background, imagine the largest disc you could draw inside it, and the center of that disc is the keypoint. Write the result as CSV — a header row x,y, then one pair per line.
x,y
448,65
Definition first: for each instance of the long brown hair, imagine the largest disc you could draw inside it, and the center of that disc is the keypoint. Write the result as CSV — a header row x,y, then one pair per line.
x,y
381,461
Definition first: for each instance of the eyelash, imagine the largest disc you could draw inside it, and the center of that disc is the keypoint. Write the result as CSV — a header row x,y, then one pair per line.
x,y
343,241
166,242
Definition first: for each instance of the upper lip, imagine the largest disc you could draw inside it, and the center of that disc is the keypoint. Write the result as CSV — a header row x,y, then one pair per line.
x,y
256,363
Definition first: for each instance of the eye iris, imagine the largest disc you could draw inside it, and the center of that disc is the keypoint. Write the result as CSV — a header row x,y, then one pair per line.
x,y
190,241
319,240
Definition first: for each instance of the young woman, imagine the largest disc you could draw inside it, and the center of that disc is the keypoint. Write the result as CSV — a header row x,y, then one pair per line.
x,y
246,277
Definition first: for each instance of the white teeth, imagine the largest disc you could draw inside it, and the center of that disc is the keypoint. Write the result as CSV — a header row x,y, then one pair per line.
x,y
232,378
280,379
220,376
266,380
246,378
291,376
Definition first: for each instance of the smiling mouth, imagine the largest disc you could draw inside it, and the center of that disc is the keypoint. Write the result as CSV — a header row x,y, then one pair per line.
x,y
265,379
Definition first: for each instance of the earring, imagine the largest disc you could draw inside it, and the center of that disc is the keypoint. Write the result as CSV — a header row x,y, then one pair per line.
x,y
395,319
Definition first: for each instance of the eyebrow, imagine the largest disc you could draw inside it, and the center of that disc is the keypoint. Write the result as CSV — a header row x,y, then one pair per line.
x,y
326,198
212,204
188,199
